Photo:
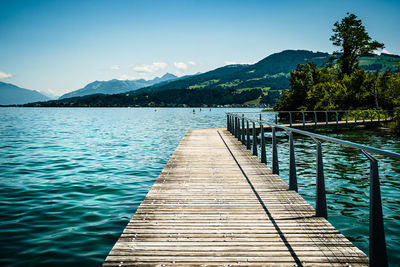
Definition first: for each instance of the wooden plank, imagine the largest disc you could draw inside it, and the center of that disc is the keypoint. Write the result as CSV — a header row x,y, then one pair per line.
x,y
203,210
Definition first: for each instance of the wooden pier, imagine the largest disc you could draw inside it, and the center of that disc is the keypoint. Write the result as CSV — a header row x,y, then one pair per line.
x,y
215,204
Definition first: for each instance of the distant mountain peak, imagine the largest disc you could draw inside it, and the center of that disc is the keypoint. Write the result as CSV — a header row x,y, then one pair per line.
x,y
116,86
169,75
11,94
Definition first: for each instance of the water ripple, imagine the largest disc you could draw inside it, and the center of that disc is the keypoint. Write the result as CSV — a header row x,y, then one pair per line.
x,y
72,178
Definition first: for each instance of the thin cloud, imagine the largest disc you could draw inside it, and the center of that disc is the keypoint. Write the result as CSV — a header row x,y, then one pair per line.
x,y
132,77
191,63
235,63
4,75
153,67
114,67
180,65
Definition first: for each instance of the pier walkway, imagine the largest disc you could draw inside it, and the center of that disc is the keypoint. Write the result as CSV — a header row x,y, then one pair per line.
x,y
215,204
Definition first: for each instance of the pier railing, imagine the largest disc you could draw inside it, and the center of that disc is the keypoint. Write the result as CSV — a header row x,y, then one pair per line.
x,y
239,125
329,118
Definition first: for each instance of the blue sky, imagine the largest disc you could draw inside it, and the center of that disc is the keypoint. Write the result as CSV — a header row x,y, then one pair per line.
x,y
60,46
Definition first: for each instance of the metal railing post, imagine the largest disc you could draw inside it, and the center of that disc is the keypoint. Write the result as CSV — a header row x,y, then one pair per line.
x,y
337,119
232,125
290,118
346,119
377,243
243,129
227,122
254,140
263,154
237,127
326,118
292,164
315,119
275,162
248,135
320,200
363,116
304,121
276,118
385,116
372,117
379,116
239,137
260,117
355,117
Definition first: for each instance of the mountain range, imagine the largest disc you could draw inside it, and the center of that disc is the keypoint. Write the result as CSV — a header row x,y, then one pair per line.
x,y
117,86
271,73
269,76
13,95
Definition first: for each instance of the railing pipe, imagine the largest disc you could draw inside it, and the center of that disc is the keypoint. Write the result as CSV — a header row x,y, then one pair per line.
x,y
275,162
378,253
232,126
315,119
332,139
292,164
326,118
379,116
320,200
243,130
236,128
355,117
254,140
239,131
247,135
263,153
377,243
337,119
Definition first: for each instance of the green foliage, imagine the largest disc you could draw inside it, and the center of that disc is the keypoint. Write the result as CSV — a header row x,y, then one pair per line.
x,y
315,88
350,35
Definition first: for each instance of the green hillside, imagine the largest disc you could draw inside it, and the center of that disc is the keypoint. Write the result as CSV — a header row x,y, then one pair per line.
x,y
270,75
382,62
268,78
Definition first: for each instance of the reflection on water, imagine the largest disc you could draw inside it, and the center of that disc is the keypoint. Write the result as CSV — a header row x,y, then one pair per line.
x,y
72,178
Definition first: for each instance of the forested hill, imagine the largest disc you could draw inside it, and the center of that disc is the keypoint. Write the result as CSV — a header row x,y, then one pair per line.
x,y
232,84
270,73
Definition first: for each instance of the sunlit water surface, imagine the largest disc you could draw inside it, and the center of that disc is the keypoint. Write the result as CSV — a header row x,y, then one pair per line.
x,y
70,179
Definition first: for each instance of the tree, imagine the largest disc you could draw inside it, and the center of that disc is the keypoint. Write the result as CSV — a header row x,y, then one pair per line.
x,y
350,35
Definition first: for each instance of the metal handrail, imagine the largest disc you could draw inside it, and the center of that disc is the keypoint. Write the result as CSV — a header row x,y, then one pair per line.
x,y
308,111
372,113
329,139
377,246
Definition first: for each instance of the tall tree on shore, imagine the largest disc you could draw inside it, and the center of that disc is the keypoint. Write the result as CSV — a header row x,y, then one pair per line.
x,y
350,35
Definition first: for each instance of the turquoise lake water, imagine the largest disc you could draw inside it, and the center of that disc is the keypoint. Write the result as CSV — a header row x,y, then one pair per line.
x,y
70,179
